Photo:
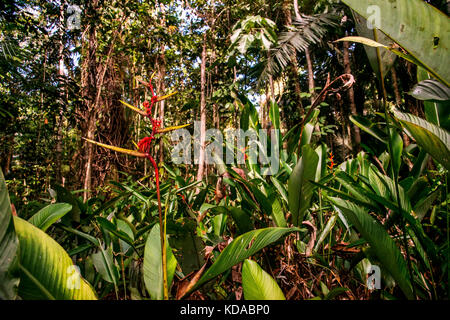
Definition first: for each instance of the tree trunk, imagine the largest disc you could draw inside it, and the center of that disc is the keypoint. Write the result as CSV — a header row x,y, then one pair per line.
x,y
201,160
61,93
351,96
311,82
398,97
89,87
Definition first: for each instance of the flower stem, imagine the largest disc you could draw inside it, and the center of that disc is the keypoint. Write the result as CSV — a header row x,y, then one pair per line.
x,y
161,230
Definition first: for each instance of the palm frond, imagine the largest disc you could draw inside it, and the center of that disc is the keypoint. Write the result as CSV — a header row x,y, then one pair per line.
x,y
298,37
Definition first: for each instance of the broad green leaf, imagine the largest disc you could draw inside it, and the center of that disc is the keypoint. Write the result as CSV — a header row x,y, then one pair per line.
x,y
300,189
322,164
277,211
419,28
9,247
258,284
240,217
397,150
111,227
436,98
153,271
275,115
241,248
280,188
47,216
431,90
105,265
382,244
65,196
326,231
47,272
369,127
334,293
434,140
387,57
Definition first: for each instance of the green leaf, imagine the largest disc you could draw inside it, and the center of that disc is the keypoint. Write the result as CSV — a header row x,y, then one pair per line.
x,y
277,211
397,150
9,247
47,272
326,231
153,271
65,196
275,115
241,248
258,284
382,244
430,90
47,216
300,189
105,265
434,140
240,217
437,111
416,26
387,58
369,127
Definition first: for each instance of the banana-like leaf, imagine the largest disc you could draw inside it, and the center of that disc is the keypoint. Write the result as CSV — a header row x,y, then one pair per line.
x,y
431,90
121,150
434,140
47,216
105,265
397,150
436,99
369,127
275,115
277,211
241,248
47,272
153,272
65,196
419,28
382,244
326,231
300,189
387,57
240,217
258,284
9,247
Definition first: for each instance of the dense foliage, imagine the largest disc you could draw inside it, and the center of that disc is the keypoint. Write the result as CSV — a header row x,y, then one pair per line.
x,y
93,206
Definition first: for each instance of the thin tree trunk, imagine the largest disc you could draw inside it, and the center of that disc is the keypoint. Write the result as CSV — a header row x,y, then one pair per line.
x,y
61,97
201,160
351,97
89,82
398,97
311,82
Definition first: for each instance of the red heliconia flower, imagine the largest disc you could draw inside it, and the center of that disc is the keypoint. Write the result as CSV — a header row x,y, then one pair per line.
x,y
145,144
332,164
